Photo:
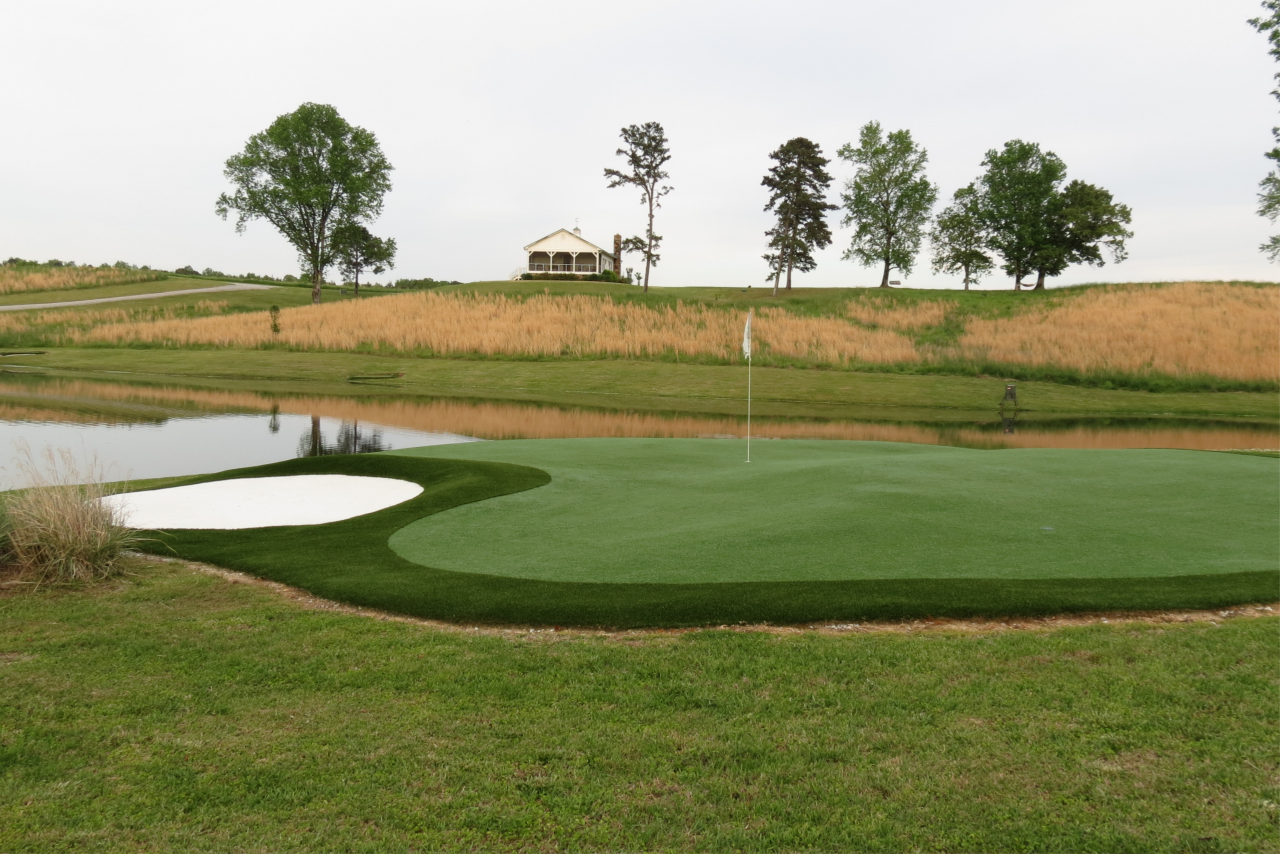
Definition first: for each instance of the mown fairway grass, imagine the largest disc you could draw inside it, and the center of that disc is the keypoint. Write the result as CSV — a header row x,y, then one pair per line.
x,y
175,711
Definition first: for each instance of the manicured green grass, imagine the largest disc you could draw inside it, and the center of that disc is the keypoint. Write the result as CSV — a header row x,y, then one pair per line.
x,y
178,712
351,561
645,386
678,511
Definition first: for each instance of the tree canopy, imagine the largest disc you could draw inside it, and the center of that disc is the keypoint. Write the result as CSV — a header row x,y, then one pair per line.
x,y
959,238
1018,194
798,183
1083,221
306,174
646,154
1269,195
356,250
888,200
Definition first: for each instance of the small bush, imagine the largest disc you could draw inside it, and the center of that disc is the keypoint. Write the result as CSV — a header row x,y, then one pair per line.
x,y
57,531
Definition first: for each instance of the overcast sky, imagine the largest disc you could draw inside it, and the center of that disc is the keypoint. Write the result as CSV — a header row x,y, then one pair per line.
x,y
499,118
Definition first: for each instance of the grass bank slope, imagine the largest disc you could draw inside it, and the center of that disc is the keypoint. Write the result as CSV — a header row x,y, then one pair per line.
x,y
177,712
692,511
1202,335
639,385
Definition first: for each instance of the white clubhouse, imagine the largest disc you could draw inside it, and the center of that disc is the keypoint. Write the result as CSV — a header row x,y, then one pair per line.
x,y
565,251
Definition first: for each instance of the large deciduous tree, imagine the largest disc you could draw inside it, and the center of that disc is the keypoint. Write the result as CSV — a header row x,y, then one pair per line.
x,y
959,238
1018,197
798,183
307,174
356,250
888,200
1269,195
646,154
1083,221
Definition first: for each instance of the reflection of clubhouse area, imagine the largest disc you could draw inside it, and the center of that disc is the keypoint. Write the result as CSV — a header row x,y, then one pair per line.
x,y
27,399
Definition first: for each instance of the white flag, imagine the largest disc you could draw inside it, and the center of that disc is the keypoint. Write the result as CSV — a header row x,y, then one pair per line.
x,y
746,338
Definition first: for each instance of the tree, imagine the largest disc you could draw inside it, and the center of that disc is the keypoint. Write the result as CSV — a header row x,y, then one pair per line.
x,y
1269,198
356,250
959,238
1083,220
888,201
1018,193
306,174
646,153
798,183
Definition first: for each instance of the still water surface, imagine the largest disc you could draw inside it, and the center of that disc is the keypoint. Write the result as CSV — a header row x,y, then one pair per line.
x,y
143,431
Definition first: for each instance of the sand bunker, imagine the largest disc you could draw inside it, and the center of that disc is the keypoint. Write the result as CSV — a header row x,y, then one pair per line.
x,y
262,502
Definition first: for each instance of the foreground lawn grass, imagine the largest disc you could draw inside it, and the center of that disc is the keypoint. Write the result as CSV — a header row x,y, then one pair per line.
x,y
177,711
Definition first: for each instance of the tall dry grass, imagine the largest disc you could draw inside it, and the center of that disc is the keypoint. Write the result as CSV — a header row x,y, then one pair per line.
x,y
15,279
491,325
58,531
73,319
886,313
1187,329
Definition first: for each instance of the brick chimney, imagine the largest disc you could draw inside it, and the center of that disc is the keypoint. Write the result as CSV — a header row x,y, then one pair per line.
x,y
617,254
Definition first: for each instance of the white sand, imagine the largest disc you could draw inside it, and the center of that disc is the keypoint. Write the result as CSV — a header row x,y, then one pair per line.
x,y
262,502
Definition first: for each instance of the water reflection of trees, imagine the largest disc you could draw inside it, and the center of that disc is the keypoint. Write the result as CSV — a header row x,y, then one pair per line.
x,y
351,439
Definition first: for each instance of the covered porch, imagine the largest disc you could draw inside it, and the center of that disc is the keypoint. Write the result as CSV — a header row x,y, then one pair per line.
x,y
567,262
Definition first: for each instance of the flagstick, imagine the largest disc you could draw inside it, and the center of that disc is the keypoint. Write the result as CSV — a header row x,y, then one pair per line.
x,y
748,408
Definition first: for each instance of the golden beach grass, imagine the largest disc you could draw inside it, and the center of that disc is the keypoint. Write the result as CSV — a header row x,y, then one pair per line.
x,y
496,325
886,313
17,322
18,279
1187,329
1181,330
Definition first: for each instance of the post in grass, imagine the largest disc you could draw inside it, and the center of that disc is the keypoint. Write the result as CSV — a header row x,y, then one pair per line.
x,y
746,351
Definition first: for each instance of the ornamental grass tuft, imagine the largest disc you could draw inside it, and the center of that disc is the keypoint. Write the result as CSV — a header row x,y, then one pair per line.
x,y
57,531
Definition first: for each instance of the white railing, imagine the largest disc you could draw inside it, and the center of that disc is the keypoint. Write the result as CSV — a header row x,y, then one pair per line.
x,y
562,268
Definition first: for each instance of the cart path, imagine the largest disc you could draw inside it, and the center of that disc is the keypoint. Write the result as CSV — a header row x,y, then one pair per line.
x,y
157,295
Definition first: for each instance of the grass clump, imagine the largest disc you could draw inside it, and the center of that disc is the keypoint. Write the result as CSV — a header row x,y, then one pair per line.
x,y
58,531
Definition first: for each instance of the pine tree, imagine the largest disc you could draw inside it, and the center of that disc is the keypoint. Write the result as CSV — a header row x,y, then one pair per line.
x,y
798,183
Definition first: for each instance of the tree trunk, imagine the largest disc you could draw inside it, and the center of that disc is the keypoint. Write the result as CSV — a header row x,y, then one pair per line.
x,y
315,287
315,436
1039,281
884,280
1017,281
777,278
648,256
966,277
788,274
357,283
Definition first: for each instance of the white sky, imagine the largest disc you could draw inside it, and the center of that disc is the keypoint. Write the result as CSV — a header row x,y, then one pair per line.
x,y
500,117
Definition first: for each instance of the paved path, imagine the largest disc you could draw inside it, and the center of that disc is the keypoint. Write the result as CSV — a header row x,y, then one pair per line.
x,y
236,287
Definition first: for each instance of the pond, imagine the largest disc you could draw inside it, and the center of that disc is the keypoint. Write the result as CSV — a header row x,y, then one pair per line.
x,y
145,431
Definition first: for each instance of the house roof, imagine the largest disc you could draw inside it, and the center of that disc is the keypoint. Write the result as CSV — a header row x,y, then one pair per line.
x,y
563,240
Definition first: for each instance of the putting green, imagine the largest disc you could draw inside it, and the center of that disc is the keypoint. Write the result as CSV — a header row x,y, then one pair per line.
x,y
672,511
